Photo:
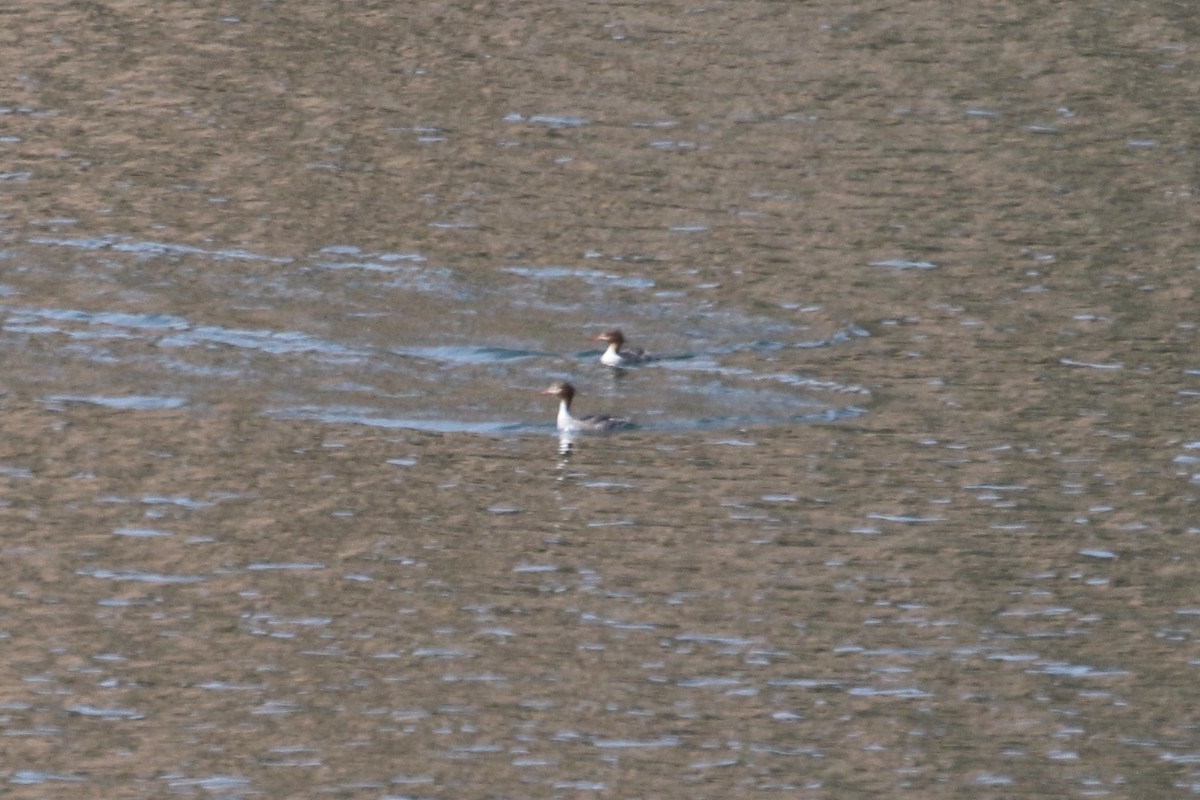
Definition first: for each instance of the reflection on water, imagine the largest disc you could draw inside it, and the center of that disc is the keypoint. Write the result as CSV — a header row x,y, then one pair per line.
x,y
566,442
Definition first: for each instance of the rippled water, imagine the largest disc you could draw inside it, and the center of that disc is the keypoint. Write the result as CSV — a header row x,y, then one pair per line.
x,y
910,507
382,358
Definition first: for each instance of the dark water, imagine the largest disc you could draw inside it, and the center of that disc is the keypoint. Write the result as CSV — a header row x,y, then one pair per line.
x,y
910,506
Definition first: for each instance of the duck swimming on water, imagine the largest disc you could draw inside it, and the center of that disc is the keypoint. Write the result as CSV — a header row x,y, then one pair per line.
x,y
614,356
567,423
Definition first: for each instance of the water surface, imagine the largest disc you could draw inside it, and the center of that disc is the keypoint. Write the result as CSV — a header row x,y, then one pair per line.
x,y
909,510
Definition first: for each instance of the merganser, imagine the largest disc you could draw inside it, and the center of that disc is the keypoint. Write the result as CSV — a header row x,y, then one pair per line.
x,y
567,423
614,356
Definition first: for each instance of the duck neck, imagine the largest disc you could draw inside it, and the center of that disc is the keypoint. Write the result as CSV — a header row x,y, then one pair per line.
x,y
565,420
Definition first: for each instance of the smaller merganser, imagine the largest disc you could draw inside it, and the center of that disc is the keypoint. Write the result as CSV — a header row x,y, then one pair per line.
x,y
614,356
567,423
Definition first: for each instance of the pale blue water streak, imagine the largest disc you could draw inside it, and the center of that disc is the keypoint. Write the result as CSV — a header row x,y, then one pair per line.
x,y
457,378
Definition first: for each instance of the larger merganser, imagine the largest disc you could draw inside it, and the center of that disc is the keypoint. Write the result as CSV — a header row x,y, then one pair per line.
x,y
614,356
567,423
